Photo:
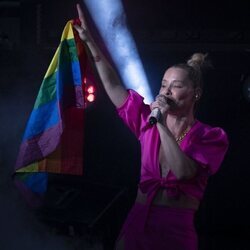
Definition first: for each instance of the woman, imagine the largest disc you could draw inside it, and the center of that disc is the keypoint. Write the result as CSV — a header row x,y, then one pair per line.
x,y
178,153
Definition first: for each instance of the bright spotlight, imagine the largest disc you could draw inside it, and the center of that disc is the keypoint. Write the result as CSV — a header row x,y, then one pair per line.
x,y
110,20
91,97
91,89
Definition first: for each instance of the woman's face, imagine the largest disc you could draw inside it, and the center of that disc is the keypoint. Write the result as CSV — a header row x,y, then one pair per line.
x,y
178,87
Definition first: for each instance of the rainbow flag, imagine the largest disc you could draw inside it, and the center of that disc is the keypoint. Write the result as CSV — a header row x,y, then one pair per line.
x,y
53,139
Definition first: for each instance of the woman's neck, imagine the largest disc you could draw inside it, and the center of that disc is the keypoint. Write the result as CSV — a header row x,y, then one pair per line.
x,y
178,125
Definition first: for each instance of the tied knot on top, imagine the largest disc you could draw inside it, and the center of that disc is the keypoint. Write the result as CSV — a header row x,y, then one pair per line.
x,y
152,185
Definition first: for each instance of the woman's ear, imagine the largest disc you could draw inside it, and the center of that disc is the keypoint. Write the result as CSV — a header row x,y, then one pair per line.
x,y
197,94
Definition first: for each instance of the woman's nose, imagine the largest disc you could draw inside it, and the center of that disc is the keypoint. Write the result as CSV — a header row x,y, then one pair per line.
x,y
168,91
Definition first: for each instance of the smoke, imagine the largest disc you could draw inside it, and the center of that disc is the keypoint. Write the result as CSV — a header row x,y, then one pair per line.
x,y
110,20
19,227
19,84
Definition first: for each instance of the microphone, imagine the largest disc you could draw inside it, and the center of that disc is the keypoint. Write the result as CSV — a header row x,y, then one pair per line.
x,y
155,114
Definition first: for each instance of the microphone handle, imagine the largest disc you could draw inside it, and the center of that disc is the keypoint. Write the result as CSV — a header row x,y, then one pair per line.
x,y
154,116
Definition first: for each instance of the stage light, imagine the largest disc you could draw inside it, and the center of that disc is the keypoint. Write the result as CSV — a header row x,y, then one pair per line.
x,y
91,89
90,97
109,18
89,92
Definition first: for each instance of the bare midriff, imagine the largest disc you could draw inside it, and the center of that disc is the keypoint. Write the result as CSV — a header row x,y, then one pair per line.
x,y
162,199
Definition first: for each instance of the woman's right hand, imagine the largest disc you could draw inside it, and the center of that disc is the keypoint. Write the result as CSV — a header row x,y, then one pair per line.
x,y
161,102
111,82
82,29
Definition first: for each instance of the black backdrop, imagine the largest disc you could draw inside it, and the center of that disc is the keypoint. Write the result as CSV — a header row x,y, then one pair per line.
x,y
166,32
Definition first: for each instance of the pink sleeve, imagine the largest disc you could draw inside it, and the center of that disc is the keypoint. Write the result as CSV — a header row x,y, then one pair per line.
x,y
134,112
208,149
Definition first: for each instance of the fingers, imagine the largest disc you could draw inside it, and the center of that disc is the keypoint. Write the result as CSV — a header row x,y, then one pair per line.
x,y
78,28
83,34
81,29
161,98
156,104
161,103
81,16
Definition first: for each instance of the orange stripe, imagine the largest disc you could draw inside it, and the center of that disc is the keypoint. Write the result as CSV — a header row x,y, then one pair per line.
x,y
52,163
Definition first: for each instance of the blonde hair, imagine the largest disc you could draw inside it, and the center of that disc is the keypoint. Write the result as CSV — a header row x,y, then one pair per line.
x,y
197,60
195,67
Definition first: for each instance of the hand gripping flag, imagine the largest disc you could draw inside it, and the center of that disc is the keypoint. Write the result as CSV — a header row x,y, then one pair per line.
x,y
53,138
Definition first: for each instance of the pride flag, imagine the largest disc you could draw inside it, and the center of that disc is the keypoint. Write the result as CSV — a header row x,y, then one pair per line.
x,y
53,138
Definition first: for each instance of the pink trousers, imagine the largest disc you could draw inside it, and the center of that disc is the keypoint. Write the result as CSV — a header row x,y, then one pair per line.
x,y
164,229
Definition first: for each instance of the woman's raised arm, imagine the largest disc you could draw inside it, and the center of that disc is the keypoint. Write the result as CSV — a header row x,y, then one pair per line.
x,y
109,77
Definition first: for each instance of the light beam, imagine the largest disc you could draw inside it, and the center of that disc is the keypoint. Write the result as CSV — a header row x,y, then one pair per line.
x,y
110,20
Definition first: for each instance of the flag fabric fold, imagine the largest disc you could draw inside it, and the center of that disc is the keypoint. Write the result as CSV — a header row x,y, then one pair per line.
x,y
53,138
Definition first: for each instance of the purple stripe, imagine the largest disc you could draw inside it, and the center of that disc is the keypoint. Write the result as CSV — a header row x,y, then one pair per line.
x,y
40,146
41,119
73,98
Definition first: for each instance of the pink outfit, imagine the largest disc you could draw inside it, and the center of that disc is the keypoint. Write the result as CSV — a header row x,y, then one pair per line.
x,y
166,229
204,144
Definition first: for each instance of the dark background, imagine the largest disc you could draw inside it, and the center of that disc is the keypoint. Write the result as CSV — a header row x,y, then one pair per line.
x,y
166,32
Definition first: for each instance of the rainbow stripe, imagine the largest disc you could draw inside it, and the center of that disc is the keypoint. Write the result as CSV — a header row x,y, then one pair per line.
x,y
53,139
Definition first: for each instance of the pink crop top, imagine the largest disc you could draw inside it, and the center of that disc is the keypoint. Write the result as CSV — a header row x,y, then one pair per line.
x,y
204,144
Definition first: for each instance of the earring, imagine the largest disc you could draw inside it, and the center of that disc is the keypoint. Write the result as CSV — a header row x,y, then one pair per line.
x,y
196,97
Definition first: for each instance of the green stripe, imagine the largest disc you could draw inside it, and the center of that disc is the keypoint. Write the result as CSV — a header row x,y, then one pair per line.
x,y
70,43
70,54
33,167
22,176
47,91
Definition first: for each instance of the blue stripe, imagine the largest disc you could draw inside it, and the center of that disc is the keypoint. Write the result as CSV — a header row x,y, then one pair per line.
x,y
37,182
77,78
47,115
41,119
68,53
68,73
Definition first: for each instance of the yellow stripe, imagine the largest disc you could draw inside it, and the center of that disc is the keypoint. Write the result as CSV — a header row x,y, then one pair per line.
x,y
68,31
53,65
67,34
